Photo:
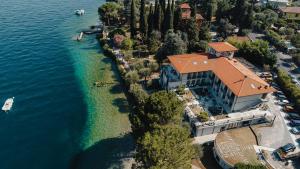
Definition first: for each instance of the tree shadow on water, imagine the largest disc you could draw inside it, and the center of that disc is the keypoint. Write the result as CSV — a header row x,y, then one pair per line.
x,y
116,89
122,104
106,60
107,153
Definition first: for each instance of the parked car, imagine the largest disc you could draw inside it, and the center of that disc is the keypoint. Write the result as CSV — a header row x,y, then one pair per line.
x,y
293,123
281,97
284,150
282,102
288,148
278,92
295,130
293,116
288,108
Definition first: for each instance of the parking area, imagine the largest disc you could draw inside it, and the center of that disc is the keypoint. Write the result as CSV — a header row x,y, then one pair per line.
x,y
279,134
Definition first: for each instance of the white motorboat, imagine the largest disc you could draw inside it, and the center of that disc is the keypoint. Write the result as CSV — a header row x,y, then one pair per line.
x,y
8,104
79,12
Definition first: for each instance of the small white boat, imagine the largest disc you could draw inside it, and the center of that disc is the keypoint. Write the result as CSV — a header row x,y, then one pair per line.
x,y
8,104
79,12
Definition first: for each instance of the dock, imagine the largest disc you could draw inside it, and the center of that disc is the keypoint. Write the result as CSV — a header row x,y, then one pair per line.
x,y
80,36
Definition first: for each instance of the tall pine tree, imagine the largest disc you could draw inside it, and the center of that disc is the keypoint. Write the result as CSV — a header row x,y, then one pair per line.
x,y
133,19
143,18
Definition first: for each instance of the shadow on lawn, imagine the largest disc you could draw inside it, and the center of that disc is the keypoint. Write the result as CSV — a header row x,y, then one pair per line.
x,y
93,158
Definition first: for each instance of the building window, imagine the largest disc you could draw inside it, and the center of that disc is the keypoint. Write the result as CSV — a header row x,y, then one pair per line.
x,y
188,83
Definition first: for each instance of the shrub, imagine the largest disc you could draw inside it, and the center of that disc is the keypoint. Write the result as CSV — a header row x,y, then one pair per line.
x,y
127,44
296,40
289,88
117,31
132,77
203,116
275,39
180,89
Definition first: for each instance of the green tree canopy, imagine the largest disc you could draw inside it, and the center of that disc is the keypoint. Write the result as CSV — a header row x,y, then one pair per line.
x,y
145,72
223,10
165,148
154,42
137,117
263,20
127,44
225,28
132,77
296,40
162,108
257,52
204,32
110,12
173,45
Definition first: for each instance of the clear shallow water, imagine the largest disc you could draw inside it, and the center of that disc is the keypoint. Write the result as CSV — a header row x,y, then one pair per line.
x,y
57,113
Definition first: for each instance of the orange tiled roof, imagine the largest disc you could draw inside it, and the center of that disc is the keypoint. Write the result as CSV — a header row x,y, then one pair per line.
x,y
239,79
222,46
187,63
185,6
295,10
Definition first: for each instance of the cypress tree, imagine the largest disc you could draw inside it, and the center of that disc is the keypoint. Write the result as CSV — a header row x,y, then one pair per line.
x,y
133,19
150,21
172,15
167,19
143,18
193,35
177,19
157,16
163,5
194,10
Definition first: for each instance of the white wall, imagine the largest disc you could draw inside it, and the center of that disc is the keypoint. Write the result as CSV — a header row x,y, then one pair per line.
x,y
246,102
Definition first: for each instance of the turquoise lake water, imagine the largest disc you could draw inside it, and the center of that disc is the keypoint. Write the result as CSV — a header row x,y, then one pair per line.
x,y
59,120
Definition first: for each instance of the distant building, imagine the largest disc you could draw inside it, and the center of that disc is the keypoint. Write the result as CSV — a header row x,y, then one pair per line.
x,y
292,13
236,146
186,14
276,3
235,86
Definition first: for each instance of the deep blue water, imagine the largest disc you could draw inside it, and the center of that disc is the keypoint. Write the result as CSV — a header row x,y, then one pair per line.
x,y
44,128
